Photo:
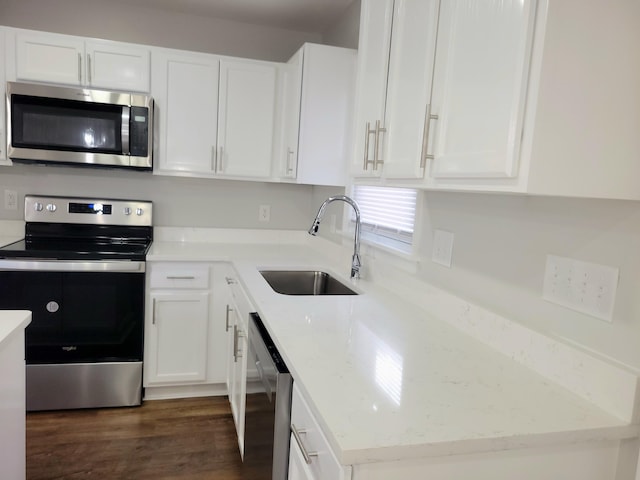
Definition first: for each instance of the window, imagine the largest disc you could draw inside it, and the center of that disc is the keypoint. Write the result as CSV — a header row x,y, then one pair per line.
x,y
387,214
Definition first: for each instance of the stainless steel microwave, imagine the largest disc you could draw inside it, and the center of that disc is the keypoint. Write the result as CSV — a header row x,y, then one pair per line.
x,y
76,126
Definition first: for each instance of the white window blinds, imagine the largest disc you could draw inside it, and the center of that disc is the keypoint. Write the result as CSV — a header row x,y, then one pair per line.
x,y
387,212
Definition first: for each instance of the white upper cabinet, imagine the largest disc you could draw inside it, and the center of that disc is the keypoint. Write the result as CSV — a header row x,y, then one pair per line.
x,y
246,118
114,65
518,96
214,115
409,87
69,60
480,86
397,45
185,89
371,84
291,90
317,102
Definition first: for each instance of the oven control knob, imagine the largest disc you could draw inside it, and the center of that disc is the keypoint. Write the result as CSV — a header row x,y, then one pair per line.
x,y
52,207
127,211
38,207
53,307
139,211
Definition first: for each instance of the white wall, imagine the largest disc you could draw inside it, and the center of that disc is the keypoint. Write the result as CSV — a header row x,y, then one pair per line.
x,y
345,32
499,254
177,201
116,20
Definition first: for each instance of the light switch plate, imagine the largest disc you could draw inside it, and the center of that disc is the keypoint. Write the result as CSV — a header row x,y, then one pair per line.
x,y
442,248
585,287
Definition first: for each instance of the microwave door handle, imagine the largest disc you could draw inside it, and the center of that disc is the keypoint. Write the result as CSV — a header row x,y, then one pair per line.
x,y
126,117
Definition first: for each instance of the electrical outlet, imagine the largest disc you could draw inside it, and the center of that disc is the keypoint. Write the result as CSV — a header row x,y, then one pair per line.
x,y
585,287
10,200
442,248
264,213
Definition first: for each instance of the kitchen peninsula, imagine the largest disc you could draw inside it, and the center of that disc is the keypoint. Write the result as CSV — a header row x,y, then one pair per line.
x,y
400,387
12,393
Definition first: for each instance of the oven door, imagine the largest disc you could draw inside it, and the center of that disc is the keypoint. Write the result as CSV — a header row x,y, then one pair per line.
x,y
85,342
82,311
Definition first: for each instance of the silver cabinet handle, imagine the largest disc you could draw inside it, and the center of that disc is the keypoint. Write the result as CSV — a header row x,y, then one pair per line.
x,y
367,135
425,136
79,68
180,277
289,163
226,322
237,334
235,344
214,158
89,68
376,147
153,311
307,455
230,281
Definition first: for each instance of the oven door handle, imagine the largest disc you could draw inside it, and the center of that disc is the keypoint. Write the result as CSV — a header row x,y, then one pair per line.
x,y
62,266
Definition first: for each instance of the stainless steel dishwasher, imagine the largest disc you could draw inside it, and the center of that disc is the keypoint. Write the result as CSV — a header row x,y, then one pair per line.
x,y
268,408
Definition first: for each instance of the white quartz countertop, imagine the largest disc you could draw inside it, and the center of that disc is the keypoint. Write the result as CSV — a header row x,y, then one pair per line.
x,y
11,322
389,380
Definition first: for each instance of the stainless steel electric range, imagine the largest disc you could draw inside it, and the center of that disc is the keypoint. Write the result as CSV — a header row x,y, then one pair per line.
x,y
80,270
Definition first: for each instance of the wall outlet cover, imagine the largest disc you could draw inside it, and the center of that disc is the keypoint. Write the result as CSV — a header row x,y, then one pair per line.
x,y
442,248
581,286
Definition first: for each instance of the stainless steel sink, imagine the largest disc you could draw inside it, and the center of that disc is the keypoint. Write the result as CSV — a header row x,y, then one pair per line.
x,y
305,282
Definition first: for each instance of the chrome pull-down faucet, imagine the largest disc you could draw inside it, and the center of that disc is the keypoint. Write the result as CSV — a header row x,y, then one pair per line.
x,y
355,260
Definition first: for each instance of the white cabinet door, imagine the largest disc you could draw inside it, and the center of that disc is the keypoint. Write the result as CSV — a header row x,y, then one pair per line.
x,y
317,86
238,374
291,90
185,90
177,347
118,66
371,83
415,24
326,118
50,58
246,118
298,468
480,82
69,60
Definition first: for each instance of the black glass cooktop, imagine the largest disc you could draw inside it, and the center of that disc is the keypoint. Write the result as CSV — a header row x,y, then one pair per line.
x,y
75,250
73,242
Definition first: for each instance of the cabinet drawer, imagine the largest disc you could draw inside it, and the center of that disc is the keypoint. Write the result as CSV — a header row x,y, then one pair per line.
x,y
179,275
324,465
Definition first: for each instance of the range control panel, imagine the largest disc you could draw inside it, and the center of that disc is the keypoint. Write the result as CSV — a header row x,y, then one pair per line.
x,y
39,208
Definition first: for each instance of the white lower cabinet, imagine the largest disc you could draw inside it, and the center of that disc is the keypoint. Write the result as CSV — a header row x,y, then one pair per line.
x,y
184,352
310,456
177,346
237,326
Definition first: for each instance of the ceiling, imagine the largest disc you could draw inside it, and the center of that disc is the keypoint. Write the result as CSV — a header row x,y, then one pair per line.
x,y
303,15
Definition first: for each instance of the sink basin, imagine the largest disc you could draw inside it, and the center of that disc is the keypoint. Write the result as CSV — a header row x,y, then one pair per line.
x,y
305,282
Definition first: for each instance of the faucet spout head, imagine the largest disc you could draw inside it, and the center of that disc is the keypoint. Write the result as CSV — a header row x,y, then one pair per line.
x,y
314,227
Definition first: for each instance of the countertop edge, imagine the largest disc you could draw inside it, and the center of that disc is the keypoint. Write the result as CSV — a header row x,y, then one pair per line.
x,y
488,445
12,322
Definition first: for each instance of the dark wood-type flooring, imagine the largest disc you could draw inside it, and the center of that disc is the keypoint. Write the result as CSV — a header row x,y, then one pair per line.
x,y
191,438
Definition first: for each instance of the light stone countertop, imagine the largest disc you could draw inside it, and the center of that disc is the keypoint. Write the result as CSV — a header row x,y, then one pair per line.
x,y
389,380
